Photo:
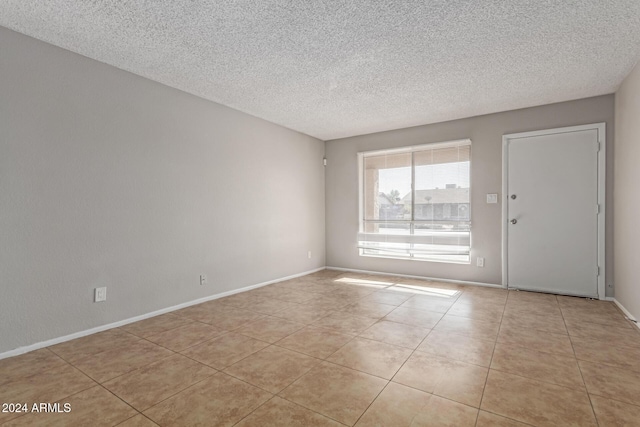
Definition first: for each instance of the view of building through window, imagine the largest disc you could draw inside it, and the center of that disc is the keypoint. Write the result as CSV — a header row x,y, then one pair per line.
x,y
416,202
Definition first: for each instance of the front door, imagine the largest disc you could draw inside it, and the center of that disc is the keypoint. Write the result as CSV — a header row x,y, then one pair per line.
x,y
552,211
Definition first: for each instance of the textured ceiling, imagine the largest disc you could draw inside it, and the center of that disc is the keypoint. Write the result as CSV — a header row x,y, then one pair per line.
x,y
339,68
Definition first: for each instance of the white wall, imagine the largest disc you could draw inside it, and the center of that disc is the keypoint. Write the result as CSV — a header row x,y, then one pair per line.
x,y
486,177
110,179
627,193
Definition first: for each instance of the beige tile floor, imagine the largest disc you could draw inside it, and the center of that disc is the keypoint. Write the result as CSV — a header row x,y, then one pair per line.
x,y
333,348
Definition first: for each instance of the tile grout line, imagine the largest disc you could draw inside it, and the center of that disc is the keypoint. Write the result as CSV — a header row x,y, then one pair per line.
x,y
586,389
239,360
593,410
117,376
175,394
277,394
95,383
122,400
321,361
221,371
399,369
130,418
545,352
373,401
138,367
303,406
614,399
431,330
366,373
396,372
509,418
495,344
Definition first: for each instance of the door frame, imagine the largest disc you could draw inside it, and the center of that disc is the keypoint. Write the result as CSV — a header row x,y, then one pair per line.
x,y
601,129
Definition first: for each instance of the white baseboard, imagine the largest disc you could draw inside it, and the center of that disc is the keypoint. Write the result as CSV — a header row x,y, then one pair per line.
x,y
624,310
463,282
53,341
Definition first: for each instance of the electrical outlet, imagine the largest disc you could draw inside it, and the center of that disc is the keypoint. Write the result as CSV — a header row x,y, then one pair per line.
x,y
492,198
480,262
203,279
309,254
100,294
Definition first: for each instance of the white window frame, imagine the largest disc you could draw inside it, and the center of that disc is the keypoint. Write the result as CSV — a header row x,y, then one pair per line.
x,y
410,149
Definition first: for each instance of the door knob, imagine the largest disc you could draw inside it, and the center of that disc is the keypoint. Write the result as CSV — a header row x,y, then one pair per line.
x,y
513,196
514,221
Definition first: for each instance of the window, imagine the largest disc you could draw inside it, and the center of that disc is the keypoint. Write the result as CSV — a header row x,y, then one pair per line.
x,y
415,202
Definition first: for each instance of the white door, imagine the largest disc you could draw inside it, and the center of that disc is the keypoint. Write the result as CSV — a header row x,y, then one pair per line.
x,y
552,211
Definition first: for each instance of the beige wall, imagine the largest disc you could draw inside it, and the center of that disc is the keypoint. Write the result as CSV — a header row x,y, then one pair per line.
x,y
486,177
109,179
627,193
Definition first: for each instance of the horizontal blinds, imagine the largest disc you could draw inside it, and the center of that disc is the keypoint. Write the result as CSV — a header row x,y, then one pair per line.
x,y
451,238
430,218
442,155
421,156
389,161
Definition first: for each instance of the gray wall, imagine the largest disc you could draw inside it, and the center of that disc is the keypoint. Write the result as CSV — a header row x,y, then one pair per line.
x,y
627,193
110,179
486,177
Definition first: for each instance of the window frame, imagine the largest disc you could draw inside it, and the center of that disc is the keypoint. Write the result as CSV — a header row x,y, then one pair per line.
x,y
362,155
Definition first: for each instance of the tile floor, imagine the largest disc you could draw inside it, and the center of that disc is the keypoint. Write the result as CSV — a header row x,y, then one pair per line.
x,y
333,348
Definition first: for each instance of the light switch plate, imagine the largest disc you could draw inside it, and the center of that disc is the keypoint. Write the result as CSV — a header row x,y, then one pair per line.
x,y
492,198
100,294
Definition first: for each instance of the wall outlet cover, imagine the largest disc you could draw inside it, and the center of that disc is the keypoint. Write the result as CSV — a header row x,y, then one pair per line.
x,y
492,198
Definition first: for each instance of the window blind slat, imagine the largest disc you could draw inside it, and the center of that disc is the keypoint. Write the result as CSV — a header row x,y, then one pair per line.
x,y
460,238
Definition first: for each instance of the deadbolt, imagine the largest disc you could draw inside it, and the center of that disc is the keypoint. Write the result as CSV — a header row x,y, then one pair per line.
x,y
514,221
513,196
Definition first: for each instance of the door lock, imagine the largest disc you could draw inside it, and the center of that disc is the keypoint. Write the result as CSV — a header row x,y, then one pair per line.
x,y
514,221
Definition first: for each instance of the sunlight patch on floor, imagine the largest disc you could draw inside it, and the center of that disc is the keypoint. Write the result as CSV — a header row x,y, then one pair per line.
x,y
363,282
423,290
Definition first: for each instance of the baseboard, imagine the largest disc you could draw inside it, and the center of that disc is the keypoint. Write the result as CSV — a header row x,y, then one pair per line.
x,y
625,311
436,279
53,341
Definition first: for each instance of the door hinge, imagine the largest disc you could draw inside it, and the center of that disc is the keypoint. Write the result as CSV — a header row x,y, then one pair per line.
x,y
597,208
598,145
597,270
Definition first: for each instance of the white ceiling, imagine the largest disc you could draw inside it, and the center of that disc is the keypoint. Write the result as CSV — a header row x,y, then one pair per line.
x,y
332,69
